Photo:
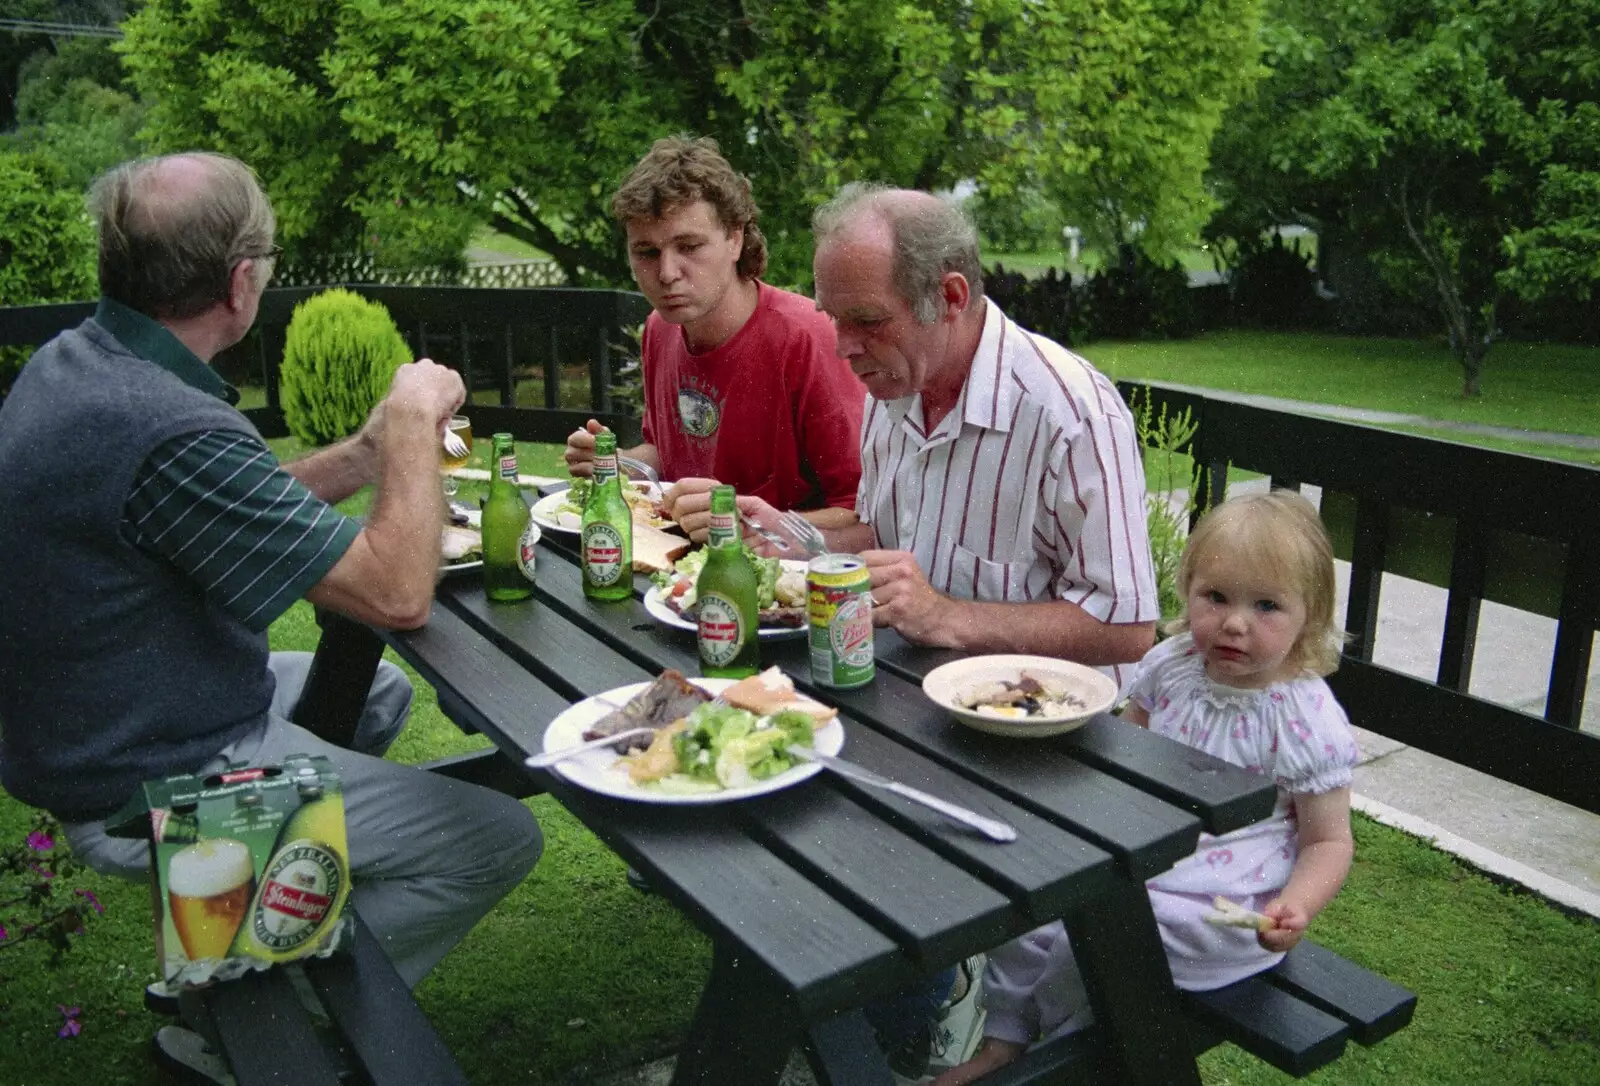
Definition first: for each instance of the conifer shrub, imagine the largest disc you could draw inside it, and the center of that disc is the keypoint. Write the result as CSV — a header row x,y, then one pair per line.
x,y
339,355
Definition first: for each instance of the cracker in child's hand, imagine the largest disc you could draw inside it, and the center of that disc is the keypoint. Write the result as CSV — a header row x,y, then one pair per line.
x,y
1228,914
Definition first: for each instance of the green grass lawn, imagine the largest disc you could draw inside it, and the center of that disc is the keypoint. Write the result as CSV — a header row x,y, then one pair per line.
x,y
575,974
1530,386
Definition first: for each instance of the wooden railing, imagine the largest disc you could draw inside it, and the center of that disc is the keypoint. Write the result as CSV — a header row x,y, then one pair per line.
x,y
1485,525
495,338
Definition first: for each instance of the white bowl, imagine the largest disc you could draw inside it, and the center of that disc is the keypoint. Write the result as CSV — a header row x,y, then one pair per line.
x,y
948,684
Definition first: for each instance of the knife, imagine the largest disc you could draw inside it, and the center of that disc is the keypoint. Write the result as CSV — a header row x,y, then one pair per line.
x,y
992,828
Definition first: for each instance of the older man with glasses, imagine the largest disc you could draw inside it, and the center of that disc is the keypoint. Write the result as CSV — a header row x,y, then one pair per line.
x,y
163,537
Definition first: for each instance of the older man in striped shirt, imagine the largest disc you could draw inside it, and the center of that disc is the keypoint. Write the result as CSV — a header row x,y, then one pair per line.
x,y
163,537
1001,506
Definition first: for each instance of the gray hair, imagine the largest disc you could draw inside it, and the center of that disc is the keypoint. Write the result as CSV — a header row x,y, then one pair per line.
x,y
932,237
168,248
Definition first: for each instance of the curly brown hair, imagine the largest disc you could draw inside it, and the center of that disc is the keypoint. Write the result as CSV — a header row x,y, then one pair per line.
x,y
682,169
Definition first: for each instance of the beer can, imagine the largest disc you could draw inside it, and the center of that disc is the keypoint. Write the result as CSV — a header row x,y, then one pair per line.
x,y
839,606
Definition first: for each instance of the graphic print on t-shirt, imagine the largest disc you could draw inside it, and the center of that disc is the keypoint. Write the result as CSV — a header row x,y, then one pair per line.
x,y
699,408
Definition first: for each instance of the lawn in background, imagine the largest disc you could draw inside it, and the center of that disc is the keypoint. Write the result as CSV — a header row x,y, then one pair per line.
x,y
1525,385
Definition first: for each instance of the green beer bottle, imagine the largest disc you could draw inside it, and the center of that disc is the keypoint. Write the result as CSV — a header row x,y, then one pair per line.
x,y
508,535
730,647
607,529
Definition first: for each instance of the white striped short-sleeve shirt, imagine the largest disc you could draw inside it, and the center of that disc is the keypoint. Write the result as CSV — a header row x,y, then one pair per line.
x,y
1031,488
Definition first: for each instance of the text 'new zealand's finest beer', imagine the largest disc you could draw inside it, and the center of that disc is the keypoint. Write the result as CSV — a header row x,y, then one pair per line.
x,y
607,533
209,886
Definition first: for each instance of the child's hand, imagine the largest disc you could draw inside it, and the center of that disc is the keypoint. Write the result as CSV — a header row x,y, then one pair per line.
x,y
1291,922
992,1054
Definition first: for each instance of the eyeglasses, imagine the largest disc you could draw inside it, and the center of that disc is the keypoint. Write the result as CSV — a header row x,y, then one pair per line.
x,y
271,254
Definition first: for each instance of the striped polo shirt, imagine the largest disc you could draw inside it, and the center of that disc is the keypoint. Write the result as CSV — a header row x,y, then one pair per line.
x,y
1031,488
217,505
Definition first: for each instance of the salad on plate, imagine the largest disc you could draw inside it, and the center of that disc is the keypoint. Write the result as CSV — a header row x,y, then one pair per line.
x,y
564,509
780,588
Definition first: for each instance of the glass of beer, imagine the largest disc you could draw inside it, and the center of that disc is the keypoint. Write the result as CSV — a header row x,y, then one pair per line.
x,y
209,885
460,426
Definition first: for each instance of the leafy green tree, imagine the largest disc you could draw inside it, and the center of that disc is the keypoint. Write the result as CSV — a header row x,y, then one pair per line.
x,y
1458,139
71,109
395,125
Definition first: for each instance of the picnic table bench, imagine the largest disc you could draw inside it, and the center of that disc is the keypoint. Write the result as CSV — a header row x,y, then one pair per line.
x,y
819,898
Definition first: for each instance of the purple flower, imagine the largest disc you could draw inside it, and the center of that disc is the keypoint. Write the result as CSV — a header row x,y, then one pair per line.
x,y
94,902
40,841
70,1027
4,934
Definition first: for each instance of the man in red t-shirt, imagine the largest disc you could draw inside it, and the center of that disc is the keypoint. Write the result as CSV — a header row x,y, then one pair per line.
x,y
743,384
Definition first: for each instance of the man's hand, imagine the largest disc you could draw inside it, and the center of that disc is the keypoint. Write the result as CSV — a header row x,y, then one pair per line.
x,y
753,511
580,449
421,389
903,598
688,501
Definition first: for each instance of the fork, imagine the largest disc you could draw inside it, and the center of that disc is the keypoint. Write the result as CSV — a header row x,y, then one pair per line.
x,y
453,444
808,535
642,468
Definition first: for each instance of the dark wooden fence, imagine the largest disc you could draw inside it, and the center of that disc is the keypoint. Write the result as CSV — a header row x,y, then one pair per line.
x,y
1484,525
565,344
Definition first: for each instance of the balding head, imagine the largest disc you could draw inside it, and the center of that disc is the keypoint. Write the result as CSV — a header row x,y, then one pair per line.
x,y
929,238
173,228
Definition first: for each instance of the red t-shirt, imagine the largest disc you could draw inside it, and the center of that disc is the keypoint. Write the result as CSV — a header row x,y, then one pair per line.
x,y
774,411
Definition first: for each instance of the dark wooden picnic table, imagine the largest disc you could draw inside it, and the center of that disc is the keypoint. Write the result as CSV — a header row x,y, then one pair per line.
x,y
820,897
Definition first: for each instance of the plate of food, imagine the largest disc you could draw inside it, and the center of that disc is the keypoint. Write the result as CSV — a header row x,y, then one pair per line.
x,y
563,510
460,549
780,594
1026,697
694,752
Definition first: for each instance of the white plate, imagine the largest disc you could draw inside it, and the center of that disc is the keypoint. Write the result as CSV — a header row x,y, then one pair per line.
x,y
595,770
452,569
656,604
947,683
545,512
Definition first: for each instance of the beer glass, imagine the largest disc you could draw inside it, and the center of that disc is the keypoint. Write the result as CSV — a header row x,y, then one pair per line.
x,y
461,426
209,887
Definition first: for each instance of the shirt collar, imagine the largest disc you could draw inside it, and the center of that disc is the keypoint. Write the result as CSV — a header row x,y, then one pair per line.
x,y
989,387
151,341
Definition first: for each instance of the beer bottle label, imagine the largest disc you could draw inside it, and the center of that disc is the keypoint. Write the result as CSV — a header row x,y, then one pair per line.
x,y
527,557
297,891
602,553
721,629
722,530
508,468
605,469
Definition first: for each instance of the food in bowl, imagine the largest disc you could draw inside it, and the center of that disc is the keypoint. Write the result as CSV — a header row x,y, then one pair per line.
x,y
1026,696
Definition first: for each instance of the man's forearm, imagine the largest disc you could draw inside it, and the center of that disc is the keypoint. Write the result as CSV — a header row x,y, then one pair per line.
x,y
1048,628
335,473
844,530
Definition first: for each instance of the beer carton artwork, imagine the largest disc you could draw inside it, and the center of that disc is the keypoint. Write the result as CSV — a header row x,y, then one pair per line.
x,y
252,867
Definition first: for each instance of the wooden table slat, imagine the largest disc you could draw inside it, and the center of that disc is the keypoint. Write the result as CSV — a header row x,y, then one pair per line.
x,y
733,887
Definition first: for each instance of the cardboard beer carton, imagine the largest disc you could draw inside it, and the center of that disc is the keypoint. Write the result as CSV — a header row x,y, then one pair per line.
x,y
252,867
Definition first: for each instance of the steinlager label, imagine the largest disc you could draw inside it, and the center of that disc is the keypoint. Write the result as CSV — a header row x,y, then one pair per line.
x,y
722,630
602,554
306,881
